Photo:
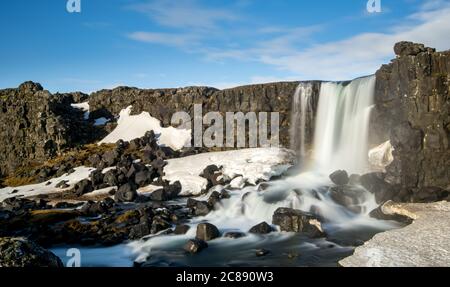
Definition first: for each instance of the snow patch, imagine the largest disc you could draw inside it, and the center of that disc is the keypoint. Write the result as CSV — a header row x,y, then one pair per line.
x,y
79,174
130,127
250,164
84,107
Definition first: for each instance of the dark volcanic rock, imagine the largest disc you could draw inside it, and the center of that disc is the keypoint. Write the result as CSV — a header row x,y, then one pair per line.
x,y
339,177
110,178
262,228
181,229
162,103
292,220
207,232
20,252
195,246
159,224
140,230
375,183
199,208
36,125
410,49
144,177
83,187
96,178
126,193
412,111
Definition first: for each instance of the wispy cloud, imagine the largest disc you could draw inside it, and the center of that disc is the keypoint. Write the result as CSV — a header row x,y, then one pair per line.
x,y
291,49
355,56
185,14
169,39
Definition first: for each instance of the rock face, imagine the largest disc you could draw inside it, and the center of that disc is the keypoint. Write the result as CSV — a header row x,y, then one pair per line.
x,y
413,112
162,103
36,125
424,243
20,252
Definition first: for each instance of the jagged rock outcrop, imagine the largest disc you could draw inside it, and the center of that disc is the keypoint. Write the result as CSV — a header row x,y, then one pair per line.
x,y
36,125
20,252
163,103
413,111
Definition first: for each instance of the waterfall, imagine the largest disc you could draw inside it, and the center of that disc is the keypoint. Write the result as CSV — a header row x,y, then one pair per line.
x,y
340,140
302,113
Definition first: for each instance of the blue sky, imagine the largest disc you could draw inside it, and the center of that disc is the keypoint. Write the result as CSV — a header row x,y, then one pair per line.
x,y
174,43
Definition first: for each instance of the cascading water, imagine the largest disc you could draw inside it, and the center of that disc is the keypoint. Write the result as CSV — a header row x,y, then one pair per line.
x,y
302,112
343,115
340,143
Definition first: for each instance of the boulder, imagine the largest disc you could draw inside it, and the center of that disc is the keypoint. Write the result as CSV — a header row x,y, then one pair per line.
x,y
195,246
339,177
159,224
110,178
214,198
21,252
140,230
111,157
173,190
144,177
181,229
375,183
126,193
261,228
95,160
83,187
292,220
207,232
96,178
199,208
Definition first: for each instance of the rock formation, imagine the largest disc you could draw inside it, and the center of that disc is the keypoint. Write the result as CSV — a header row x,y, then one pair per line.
x,y
413,112
36,125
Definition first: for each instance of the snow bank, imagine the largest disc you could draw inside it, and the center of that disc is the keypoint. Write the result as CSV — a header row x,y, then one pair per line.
x,y
42,188
84,107
135,126
251,164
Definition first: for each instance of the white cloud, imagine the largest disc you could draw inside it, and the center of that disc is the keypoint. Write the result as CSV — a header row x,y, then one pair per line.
x,y
169,39
291,49
355,56
185,14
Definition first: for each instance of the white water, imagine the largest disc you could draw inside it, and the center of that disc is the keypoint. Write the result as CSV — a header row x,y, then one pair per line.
x,y
341,133
301,111
340,143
